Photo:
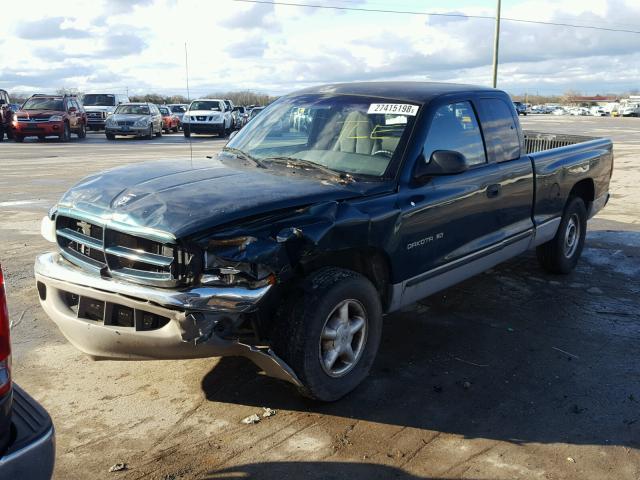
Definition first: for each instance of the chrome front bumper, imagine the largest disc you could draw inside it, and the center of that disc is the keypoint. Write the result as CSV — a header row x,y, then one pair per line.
x,y
191,316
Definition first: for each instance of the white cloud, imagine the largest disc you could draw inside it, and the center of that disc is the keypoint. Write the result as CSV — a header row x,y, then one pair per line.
x,y
140,46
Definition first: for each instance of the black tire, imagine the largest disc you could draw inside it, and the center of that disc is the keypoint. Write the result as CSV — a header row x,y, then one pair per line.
x,y
560,255
41,137
186,131
149,135
299,324
175,129
110,136
2,132
82,133
65,136
18,138
223,132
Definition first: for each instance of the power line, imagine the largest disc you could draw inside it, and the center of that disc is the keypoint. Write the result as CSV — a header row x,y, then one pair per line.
x,y
434,14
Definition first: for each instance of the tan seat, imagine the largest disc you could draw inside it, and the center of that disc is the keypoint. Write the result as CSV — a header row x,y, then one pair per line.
x,y
355,136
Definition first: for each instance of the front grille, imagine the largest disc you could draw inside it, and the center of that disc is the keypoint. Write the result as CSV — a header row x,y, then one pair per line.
x,y
96,115
125,123
38,120
120,254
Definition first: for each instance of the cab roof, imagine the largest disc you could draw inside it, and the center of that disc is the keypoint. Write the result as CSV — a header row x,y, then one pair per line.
x,y
421,92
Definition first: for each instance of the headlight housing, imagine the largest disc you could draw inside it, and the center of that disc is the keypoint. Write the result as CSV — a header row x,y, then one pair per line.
x,y
185,118
55,118
143,122
221,271
110,122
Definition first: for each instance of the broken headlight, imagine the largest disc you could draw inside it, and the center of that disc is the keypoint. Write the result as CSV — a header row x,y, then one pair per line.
x,y
222,269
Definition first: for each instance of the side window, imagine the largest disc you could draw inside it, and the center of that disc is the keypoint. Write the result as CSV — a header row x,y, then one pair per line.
x,y
500,131
455,127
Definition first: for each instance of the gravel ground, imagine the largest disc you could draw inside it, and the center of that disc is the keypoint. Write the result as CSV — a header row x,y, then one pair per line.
x,y
512,374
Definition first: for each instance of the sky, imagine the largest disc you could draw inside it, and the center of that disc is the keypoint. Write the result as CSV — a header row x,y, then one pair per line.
x,y
138,46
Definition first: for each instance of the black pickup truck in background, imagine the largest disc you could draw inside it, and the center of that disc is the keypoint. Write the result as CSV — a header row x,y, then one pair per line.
x,y
334,206
27,441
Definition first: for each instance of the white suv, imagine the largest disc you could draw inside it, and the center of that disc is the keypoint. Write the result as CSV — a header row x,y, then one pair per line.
x,y
207,115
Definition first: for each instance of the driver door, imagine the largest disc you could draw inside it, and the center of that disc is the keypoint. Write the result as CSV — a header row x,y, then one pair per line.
x,y
447,218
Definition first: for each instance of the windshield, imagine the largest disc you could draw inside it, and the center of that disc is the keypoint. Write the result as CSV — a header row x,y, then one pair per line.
x,y
178,109
347,134
133,109
164,110
98,100
43,104
256,111
204,105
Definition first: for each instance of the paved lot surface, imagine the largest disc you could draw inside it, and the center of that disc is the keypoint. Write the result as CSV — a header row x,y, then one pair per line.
x,y
512,374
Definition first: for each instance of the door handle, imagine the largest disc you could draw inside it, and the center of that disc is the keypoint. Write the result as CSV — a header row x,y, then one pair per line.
x,y
494,190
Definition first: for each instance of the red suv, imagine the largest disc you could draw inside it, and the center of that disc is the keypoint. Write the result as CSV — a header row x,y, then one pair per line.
x,y
47,115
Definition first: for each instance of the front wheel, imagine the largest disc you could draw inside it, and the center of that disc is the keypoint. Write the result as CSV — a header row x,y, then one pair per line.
x,y
82,133
330,333
110,136
561,254
66,133
186,130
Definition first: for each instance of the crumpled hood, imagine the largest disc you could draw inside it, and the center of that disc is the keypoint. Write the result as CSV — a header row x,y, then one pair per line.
x,y
181,197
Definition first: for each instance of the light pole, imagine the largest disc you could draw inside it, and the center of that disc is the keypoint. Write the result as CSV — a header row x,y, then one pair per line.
x,y
496,45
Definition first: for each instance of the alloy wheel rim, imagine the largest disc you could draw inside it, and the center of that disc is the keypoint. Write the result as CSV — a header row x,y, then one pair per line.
x,y
572,236
343,338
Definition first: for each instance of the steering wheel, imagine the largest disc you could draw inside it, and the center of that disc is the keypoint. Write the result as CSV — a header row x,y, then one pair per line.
x,y
386,153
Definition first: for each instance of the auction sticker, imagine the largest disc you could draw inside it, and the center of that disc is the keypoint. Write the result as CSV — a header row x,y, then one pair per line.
x,y
401,108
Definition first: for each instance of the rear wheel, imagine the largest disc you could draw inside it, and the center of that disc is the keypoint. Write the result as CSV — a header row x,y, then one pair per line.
x,y
330,333
561,254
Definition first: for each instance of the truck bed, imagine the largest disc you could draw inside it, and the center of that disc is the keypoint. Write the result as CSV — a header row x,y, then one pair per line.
x,y
539,141
560,162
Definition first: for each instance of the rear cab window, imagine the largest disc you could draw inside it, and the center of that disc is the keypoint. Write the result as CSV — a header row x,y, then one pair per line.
x,y
500,130
455,127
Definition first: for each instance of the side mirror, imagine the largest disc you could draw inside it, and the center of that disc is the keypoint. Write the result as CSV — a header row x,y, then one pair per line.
x,y
442,162
73,110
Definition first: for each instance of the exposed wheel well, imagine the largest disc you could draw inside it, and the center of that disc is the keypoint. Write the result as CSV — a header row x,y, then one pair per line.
x,y
370,262
585,189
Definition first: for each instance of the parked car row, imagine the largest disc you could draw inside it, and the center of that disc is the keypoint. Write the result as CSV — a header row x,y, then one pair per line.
x,y
63,115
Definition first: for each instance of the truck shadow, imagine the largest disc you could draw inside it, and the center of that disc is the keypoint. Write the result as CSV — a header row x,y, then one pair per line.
x,y
311,471
513,354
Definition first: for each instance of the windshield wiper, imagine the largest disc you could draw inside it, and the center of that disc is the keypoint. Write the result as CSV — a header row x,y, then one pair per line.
x,y
299,162
245,156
